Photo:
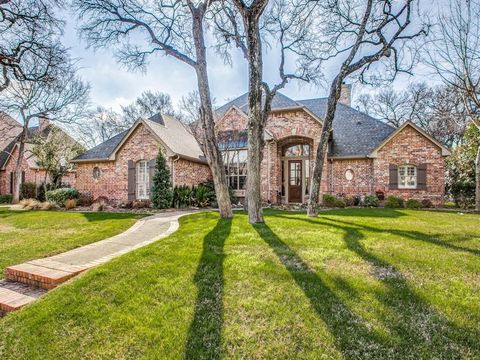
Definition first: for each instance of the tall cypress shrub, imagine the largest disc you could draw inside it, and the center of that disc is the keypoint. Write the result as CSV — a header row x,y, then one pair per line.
x,y
162,194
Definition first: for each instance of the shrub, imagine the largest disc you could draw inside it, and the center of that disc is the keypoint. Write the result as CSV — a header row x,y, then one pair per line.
x,y
28,190
370,201
394,202
449,205
47,205
329,200
202,196
427,203
98,206
29,204
340,203
85,199
182,196
162,187
6,199
413,204
140,204
70,204
61,195
350,201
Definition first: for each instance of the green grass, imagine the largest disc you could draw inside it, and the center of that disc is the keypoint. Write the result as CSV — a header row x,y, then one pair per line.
x,y
355,283
36,234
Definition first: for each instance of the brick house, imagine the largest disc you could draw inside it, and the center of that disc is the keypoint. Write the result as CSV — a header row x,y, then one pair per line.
x,y
10,129
121,169
366,156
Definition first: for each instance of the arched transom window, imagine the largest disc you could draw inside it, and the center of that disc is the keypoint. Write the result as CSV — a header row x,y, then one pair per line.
x,y
296,150
407,177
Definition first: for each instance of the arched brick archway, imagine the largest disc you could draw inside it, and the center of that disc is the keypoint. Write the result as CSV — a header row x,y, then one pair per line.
x,y
294,161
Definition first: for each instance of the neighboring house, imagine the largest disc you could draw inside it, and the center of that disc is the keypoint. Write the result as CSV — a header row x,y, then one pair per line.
x,y
10,129
366,156
121,169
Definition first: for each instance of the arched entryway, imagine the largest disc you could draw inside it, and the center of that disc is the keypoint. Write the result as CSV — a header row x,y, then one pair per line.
x,y
296,154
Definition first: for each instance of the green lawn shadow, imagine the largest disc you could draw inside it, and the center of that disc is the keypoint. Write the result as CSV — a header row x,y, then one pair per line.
x,y
204,334
419,330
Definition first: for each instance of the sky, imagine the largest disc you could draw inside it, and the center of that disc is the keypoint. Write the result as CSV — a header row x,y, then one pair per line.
x,y
113,86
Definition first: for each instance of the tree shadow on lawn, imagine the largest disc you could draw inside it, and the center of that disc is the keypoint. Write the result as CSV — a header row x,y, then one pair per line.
x,y
413,235
204,335
364,212
415,329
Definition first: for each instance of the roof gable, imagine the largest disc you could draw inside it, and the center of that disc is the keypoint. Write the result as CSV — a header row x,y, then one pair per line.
x,y
444,150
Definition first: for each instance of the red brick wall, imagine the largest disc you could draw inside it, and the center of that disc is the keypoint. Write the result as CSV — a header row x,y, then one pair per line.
x,y
113,181
190,173
411,147
362,182
31,175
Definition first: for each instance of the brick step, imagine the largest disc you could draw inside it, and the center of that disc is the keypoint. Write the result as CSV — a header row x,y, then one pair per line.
x,y
46,275
15,295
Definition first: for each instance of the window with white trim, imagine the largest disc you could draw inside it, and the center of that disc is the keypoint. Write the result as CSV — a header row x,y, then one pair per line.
x,y
407,177
236,168
142,178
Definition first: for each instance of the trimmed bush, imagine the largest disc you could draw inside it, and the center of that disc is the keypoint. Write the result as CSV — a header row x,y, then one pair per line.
x,y
413,204
370,201
427,203
6,199
85,199
162,195
28,190
329,200
394,202
59,196
182,196
340,203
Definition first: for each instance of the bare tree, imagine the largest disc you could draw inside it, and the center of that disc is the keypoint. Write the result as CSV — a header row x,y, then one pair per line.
x,y
63,99
53,150
438,110
173,28
454,55
289,24
146,105
362,37
29,34
98,126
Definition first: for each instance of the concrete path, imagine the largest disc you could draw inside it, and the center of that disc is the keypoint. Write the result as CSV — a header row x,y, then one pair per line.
x,y
25,281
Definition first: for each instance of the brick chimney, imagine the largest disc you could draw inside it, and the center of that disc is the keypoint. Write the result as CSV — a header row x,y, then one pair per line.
x,y
346,96
43,122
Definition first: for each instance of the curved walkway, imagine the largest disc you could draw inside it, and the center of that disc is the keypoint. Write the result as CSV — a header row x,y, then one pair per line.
x,y
28,281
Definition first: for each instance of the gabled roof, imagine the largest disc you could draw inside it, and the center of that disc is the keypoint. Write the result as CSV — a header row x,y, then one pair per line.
x,y
9,130
355,134
445,151
169,131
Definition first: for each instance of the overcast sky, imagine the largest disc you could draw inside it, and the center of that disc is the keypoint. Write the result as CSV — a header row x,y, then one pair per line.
x,y
113,85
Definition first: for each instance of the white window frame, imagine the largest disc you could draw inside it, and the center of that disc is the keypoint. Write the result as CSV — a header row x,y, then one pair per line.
x,y
142,180
407,177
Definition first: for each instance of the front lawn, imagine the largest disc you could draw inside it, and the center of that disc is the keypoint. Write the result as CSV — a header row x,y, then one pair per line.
x,y
36,234
356,283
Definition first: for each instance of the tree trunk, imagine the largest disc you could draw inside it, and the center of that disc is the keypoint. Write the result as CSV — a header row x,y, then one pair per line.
x,y
212,152
18,167
477,178
256,120
335,92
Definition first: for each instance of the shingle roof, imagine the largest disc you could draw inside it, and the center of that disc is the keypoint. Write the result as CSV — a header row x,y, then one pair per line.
x,y
104,150
171,131
354,133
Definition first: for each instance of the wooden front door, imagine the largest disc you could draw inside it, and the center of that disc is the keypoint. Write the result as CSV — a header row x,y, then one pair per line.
x,y
295,181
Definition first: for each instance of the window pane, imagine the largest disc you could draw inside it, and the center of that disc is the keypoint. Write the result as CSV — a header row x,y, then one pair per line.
x,y
242,182
242,158
306,150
